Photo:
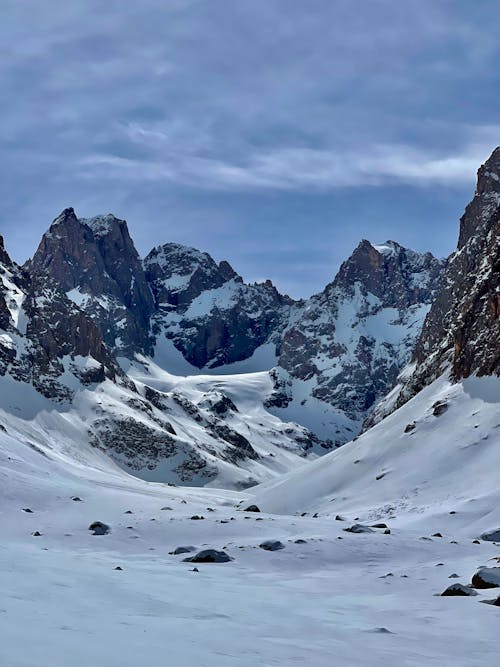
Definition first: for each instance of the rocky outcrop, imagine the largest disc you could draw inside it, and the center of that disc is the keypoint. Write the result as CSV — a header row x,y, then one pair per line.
x,y
47,335
462,330
209,313
94,261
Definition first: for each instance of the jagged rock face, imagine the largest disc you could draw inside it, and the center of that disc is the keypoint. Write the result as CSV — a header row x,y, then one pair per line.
x,y
47,335
95,263
462,329
350,341
5,260
206,309
179,274
57,328
399,277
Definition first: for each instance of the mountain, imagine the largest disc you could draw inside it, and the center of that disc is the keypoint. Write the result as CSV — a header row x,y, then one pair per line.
x,y
344,348
86,317
94,261
212,317
349,556
330,357
52,343
434,441
461,332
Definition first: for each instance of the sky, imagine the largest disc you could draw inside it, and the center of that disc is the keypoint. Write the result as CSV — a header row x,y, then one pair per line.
x,y
275,134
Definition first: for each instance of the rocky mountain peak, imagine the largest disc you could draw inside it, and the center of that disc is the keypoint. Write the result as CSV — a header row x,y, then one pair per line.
x,y
178,274
94,261
5,260
399,277
485,202
462,329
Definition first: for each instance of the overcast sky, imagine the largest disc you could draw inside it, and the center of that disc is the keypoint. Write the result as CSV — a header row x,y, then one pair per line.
x,y
272,133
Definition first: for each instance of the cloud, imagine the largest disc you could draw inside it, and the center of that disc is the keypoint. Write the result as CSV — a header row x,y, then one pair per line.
x,y
265,118
302,169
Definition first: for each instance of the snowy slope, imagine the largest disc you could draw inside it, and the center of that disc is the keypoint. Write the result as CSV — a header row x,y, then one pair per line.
x,y
413,463
366,600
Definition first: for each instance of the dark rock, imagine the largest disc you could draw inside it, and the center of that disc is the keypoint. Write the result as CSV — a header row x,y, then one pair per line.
x,y
37,534
358,528
463,324
339,518
300,541
252,508
379,525
209,556
76,499
491,535
99,528
97,257
486,577
495,602
459,590
410,427
28,510
271,545
196,517
128,512
439,408
387,531
181,550
453,576
118,568
437,535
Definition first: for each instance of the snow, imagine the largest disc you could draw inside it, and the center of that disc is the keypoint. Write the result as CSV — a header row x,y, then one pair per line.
x,y
79,298
385,248
366,600
100,224
221,298
444,462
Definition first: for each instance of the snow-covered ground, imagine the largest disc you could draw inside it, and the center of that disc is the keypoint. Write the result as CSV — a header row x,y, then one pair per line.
x,y
365,600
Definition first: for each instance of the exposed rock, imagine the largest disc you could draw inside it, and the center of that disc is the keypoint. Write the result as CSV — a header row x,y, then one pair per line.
x,y
209,556
335,342
459,590
491,535
252,508
462,328
95,262
229,326
99,528
495,602
181,550
358,528
271,545
439,408
486,577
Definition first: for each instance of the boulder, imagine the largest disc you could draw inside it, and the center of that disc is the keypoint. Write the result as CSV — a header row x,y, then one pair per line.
x,y
181,550
252,508
358,528
209,556
491,535
486,577
460,590
99,528
272,545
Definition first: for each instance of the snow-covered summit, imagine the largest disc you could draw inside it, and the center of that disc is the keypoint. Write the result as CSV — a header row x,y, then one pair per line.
x,y
101,225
